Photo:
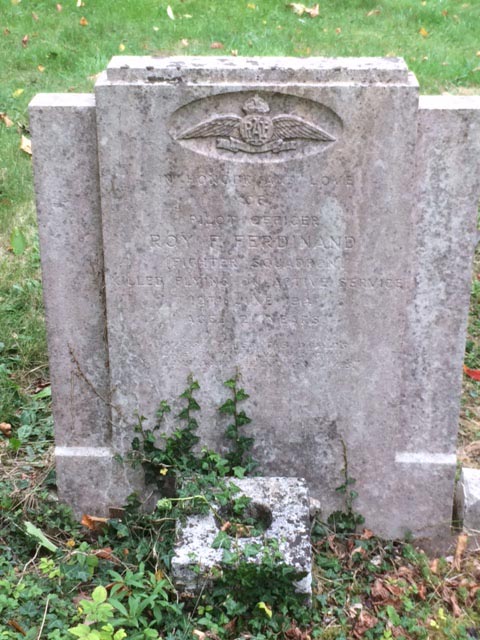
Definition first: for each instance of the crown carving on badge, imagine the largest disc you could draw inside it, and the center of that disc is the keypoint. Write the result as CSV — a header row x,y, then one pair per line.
x,y
255,105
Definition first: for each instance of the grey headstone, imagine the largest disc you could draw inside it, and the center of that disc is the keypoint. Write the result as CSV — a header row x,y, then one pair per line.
x,y
306,222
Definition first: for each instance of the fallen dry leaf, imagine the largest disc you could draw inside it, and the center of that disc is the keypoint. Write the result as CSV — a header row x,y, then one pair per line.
x,y
170,13
184,42
473,448
250,5
460,550
6,429
216,45
299,9
434,566
367,534
373,12
121,47
41,68
106,554
58,7
26,145
234,52
83,21
34,16
6,120
472,373
338,30
444,13
25,41
364,622
457,612
93,522
80,3
14,624
423,32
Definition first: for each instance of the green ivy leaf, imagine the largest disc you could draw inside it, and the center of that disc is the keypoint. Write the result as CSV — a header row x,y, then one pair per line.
x,y
36,533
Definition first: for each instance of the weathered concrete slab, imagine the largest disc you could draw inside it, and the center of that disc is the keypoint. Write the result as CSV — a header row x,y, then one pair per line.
x,y
287,501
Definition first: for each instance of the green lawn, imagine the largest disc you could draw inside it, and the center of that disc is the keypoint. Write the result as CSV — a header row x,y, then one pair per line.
x,y
58,47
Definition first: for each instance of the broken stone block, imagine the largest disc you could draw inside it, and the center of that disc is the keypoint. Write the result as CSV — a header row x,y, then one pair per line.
x,y
283,505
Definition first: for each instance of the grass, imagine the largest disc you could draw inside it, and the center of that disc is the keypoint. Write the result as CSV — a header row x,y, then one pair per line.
x,y
45,47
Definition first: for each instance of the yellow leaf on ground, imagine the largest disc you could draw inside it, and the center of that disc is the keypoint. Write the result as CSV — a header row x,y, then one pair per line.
x,y
297,8
6,120
58,7
184,42
17,93
83,21
250,5
266,608
170,13
121,47
423,32
373,12
26,145
41,68
80,3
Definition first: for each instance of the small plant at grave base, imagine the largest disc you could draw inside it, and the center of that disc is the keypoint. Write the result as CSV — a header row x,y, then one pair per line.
x,y
239,455
177,470
347,520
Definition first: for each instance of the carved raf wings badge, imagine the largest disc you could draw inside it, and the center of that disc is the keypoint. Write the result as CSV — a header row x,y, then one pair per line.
x,y
256,131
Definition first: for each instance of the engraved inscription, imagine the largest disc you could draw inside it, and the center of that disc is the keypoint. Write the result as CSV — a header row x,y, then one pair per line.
x,y
257,131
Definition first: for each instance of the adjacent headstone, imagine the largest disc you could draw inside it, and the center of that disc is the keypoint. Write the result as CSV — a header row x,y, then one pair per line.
x,y
468,500
308,223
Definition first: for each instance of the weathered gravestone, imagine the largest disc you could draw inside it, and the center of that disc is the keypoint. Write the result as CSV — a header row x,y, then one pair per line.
x,y
309,222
